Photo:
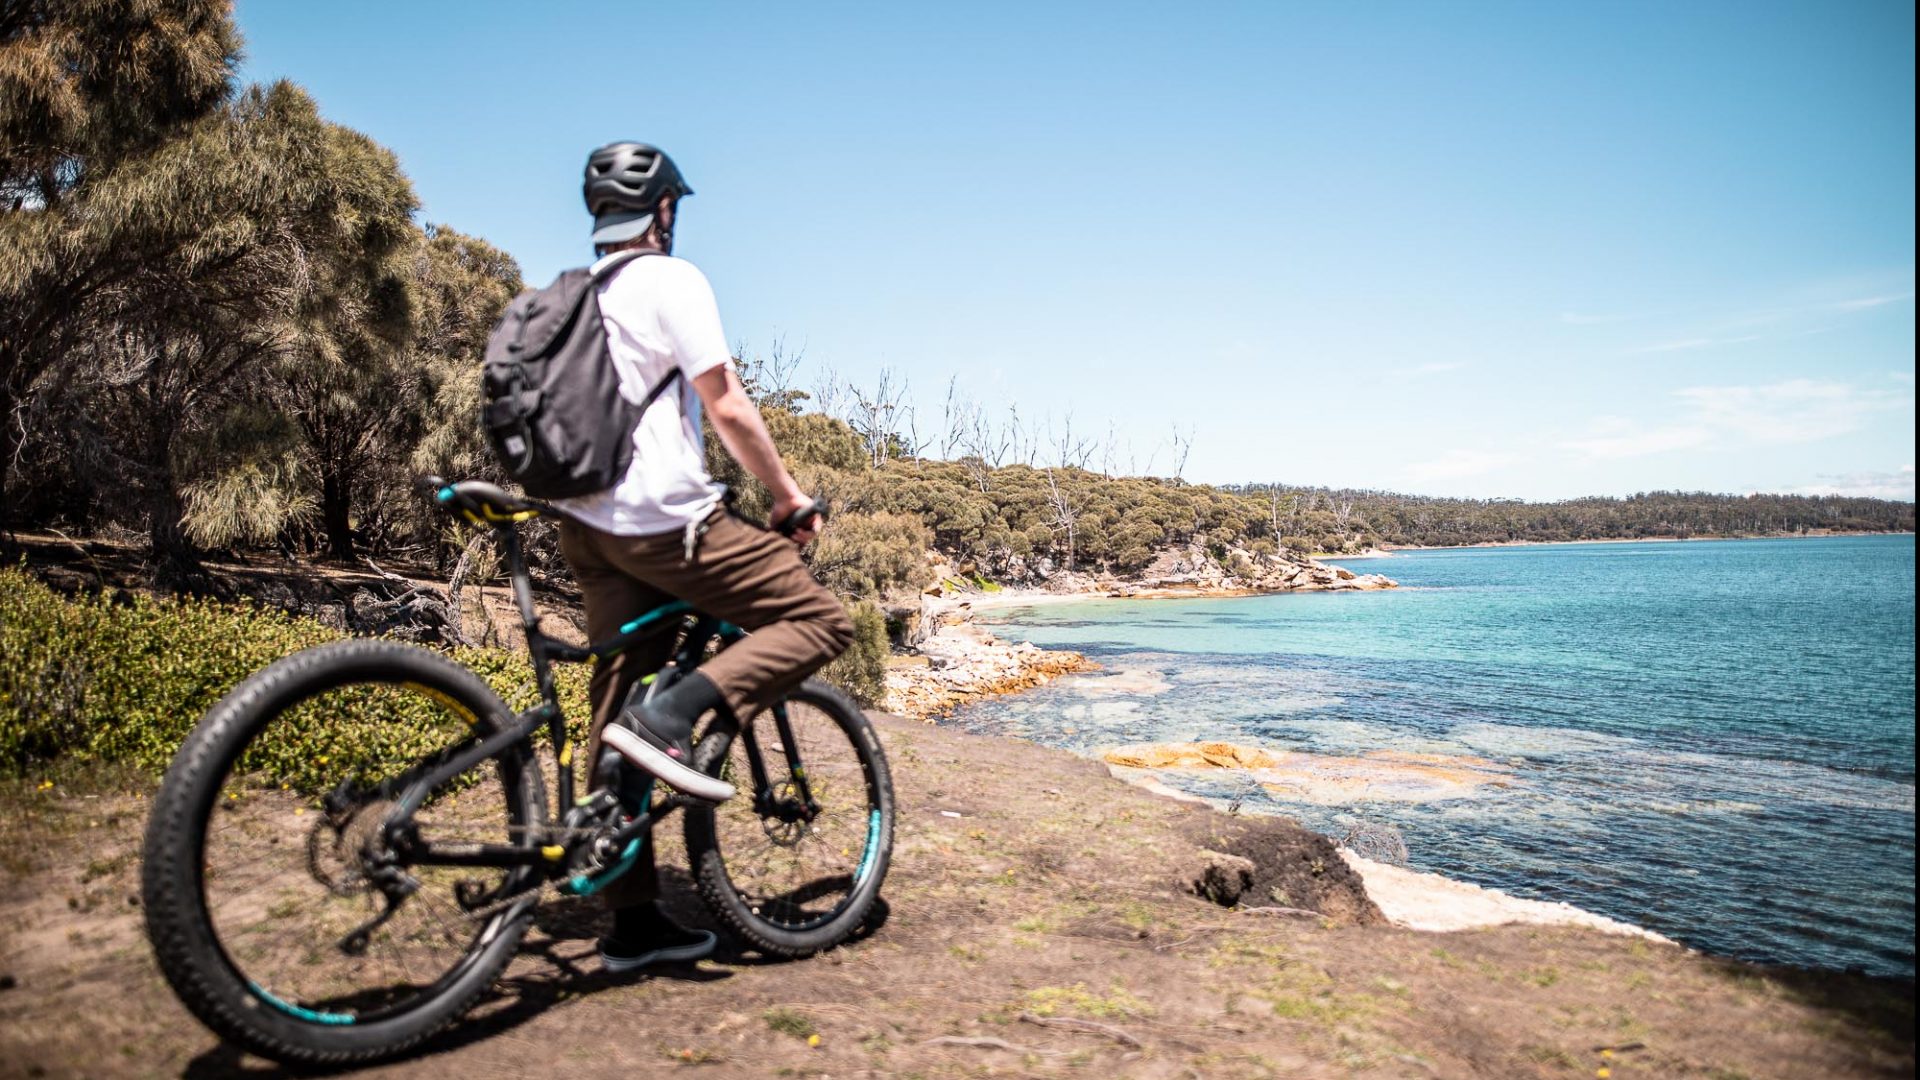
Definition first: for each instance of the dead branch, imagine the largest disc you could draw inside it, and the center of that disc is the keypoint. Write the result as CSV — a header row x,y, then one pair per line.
x,y
982,1042
1089,1026
1289,912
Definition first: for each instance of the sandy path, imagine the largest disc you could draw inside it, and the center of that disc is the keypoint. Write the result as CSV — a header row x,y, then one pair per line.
x,y
1029,888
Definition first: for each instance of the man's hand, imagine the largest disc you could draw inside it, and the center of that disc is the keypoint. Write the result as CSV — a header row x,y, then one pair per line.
x,y
788,504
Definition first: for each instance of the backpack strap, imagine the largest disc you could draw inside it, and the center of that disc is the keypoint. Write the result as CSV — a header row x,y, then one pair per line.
x,y
659,388
619,260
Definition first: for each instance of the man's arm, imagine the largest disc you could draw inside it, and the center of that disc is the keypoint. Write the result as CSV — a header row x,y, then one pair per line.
x,y
744,434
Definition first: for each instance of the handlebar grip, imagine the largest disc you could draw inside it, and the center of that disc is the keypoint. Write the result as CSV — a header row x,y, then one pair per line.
x,y
793,522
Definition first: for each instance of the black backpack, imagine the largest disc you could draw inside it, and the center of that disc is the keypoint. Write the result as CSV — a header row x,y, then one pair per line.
x,y
552,406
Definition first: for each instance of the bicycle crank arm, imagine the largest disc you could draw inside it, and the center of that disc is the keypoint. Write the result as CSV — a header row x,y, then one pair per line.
x,y
655,814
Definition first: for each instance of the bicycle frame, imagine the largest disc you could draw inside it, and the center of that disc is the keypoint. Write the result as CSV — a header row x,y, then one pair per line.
x,y
413,787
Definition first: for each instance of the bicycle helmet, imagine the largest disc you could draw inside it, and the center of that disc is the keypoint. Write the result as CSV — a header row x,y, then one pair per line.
x,y
625,182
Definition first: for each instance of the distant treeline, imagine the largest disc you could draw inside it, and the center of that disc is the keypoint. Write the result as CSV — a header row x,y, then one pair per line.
x,y
1409,520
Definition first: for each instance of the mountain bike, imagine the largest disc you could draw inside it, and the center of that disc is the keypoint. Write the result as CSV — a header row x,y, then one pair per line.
x,y
347,849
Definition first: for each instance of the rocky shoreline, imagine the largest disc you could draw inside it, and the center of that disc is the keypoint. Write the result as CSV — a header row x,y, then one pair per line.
x,y
945,660
1193,572
953,661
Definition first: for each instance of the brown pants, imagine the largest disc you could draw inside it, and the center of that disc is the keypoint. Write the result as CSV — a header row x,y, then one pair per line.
x,y
740,572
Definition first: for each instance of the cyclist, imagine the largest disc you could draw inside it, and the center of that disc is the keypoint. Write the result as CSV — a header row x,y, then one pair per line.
x,y
662,532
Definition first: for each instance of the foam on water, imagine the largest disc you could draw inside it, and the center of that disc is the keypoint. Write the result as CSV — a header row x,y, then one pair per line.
x,y
1712,739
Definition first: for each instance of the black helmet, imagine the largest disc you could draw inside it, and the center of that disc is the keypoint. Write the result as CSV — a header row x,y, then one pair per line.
x,y
625,183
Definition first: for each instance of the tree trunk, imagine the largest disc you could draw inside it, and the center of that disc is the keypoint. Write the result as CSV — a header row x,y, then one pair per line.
x,y
175,557
335,514
9,445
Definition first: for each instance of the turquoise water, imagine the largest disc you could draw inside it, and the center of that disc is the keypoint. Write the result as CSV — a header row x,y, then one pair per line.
x,y
1713,739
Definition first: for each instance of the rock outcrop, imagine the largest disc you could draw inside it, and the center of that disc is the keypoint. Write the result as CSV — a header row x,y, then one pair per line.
x,y
957,662
1215,755
1323,779
947,661
1192,570
1272,865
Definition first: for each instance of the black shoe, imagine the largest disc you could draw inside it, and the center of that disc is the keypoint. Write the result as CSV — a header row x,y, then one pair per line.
x,y
634,733
651,938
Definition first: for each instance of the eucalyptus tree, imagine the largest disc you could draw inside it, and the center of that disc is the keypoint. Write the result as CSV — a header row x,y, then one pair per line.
x,y
461,284
345,379
247,230
88,90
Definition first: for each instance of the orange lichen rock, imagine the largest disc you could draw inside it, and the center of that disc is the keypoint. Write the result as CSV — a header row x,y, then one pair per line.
x,y
1215,755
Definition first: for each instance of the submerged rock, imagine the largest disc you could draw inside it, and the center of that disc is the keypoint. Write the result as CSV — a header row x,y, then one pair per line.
x,y
1207,755
1324,779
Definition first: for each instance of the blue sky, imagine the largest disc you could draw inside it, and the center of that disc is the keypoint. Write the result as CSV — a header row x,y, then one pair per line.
x,y
1529,250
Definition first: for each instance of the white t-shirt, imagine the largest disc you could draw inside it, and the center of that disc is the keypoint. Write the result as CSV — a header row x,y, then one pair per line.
x,y
660,314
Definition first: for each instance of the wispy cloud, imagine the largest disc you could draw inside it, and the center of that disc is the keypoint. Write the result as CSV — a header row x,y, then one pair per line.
x,y
1822,303
1640,443
1794,411
1458,463
1865,302
1437,367
1684,344
1897,484
1798,410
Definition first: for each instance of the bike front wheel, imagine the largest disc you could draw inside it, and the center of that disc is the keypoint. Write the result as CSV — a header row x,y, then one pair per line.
x,y
278,906
793,863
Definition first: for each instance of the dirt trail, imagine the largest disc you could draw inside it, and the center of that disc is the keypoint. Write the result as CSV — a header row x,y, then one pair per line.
x,y
1036,925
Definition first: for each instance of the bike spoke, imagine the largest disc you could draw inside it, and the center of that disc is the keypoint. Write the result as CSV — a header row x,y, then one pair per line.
x,y
796,872
282,925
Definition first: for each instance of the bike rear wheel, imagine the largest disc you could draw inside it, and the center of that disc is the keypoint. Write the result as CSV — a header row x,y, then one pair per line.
x,y
793,863
266,863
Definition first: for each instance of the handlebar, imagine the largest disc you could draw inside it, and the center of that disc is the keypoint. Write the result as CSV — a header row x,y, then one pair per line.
x,y
798,519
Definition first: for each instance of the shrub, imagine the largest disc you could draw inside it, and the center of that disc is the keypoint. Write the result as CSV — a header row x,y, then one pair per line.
x,y
871,555
124,679
862,670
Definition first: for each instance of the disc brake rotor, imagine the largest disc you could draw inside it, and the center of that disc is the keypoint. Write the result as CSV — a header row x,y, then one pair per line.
x,y
785,829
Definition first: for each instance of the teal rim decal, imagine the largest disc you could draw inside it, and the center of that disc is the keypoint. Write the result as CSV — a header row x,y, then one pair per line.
x,y
299,1013
873,848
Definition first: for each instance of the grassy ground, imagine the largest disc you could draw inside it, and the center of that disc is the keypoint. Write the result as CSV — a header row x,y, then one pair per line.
x,y
1036,924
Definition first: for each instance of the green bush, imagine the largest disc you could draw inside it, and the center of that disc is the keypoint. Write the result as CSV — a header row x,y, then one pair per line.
x,y
862,670
867,556
125,679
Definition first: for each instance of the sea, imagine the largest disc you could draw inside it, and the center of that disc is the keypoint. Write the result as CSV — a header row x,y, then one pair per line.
x,y
1713,739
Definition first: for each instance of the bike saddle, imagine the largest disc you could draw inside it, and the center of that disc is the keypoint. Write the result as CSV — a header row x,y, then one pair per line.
x,y
488,501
